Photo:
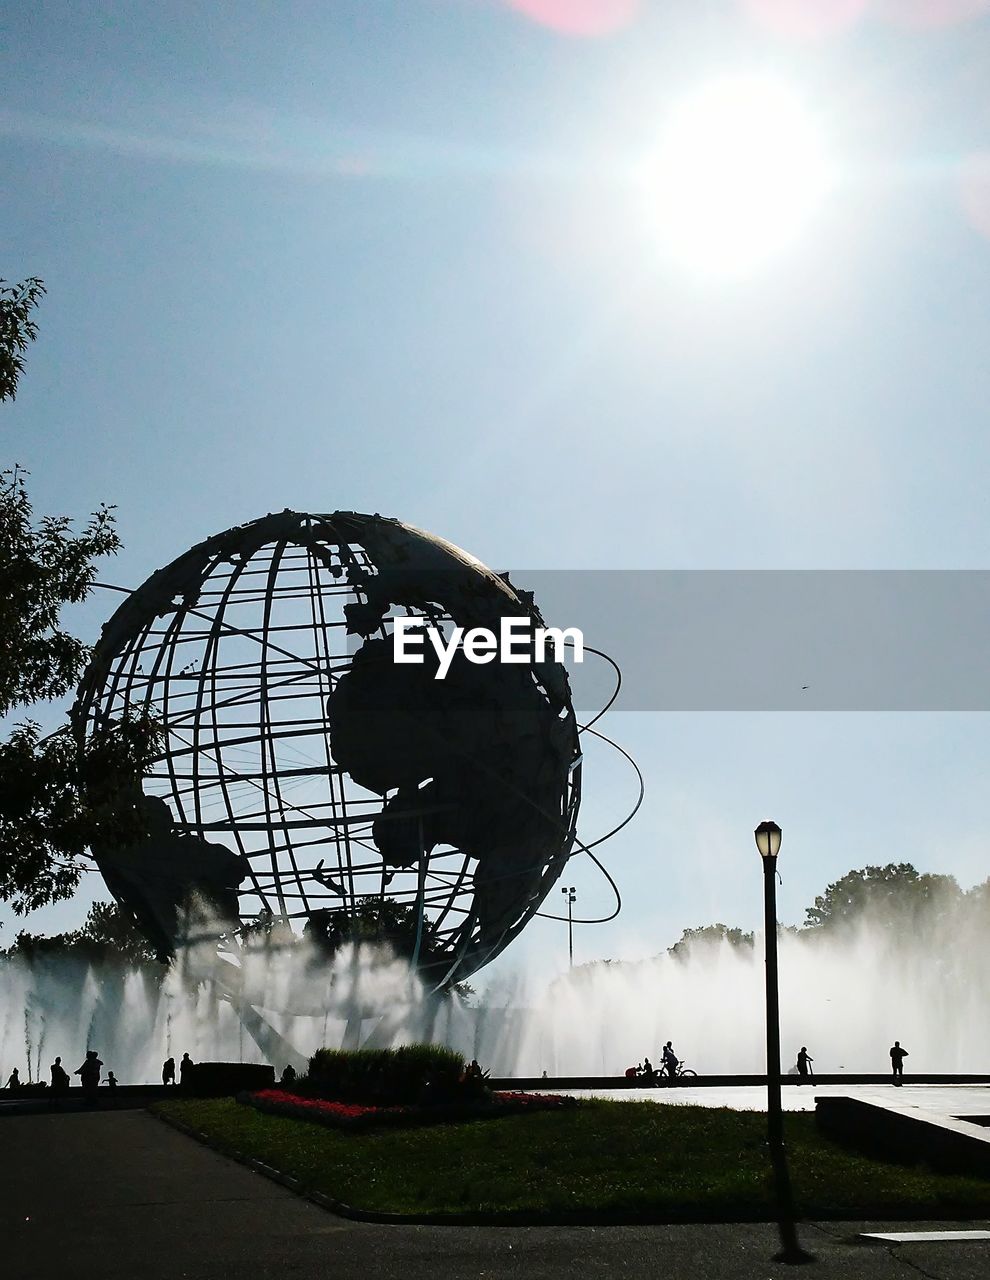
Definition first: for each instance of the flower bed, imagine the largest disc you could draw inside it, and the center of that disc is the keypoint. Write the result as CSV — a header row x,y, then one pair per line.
x,y
348,1115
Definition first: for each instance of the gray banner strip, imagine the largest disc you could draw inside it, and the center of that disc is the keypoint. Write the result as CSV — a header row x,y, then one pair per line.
x,y
769,640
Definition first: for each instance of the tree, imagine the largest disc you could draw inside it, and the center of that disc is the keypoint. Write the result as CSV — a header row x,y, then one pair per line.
x,y
895,896
59,797
17,329
707,935
978,898
107,928
106,935
57,794
43,567
372,920
378,921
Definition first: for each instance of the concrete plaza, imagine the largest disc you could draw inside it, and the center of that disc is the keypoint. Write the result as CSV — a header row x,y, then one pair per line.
x,y
948,1099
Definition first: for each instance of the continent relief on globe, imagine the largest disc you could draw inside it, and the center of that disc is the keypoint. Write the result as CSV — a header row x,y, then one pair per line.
x,y
478,761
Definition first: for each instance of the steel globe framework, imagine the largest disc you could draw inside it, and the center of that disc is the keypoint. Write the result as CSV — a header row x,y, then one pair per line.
x,y
305,777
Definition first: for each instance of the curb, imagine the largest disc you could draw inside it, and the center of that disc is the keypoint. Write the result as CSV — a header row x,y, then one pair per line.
x,y
275,1175
512,1218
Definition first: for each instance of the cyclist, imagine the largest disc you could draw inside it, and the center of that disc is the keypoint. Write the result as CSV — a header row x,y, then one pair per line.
x,y
670,1061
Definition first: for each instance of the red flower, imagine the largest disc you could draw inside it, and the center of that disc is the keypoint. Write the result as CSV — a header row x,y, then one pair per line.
x,y
346,1110
325,1111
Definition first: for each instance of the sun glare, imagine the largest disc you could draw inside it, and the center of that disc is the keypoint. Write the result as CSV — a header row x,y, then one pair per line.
x,y
741,168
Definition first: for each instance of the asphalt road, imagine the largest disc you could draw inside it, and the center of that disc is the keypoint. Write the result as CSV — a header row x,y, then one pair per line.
x,y
120,1196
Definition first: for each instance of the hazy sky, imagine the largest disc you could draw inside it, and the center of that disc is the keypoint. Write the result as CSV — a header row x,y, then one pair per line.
x,y
398,257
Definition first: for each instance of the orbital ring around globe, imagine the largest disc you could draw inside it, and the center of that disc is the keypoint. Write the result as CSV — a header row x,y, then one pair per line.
x,y
307,778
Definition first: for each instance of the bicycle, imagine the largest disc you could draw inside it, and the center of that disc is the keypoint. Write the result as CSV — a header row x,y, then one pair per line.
x,y
681,1072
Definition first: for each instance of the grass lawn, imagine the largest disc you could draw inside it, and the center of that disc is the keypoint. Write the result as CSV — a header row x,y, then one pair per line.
x,y
619,1160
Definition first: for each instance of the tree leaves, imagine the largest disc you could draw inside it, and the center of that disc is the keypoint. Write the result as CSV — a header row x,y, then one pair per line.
x,y
57,794
42,568
59,797
895,896
17,329
709,935
106,934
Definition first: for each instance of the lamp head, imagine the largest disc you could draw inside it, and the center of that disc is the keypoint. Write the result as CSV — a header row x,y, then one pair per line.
x,y
768,839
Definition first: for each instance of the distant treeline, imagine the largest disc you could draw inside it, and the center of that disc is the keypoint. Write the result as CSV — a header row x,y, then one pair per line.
x,y
106,935
895,900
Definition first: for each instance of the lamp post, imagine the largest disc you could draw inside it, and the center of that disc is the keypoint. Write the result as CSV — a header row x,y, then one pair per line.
x,y
768,836
571,899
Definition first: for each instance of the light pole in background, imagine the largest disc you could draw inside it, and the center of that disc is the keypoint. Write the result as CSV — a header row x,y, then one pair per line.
x,y
768,836
571,899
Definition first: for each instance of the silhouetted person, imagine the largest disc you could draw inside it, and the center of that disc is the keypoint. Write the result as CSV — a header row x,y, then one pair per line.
x,y
648,1073
60,1077
897,1056
111,1081
288,1075
185,1077
14,1080
168,1071
89,1075
804,1061
670,1060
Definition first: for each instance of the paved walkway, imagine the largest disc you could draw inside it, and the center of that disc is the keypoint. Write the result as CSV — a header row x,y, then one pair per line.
x,y
948,1099
119,1196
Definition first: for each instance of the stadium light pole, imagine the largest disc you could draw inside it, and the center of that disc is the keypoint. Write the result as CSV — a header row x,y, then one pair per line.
x,y
571,899
768,836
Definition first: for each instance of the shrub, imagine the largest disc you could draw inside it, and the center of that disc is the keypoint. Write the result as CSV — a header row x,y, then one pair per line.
x,y
388,1076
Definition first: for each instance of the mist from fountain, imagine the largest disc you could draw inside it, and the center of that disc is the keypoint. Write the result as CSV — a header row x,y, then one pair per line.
x,y
846,997
845,994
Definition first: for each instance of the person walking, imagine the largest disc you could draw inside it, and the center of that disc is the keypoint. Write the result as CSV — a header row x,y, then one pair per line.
x,y
168,1071
897,1056
804,1061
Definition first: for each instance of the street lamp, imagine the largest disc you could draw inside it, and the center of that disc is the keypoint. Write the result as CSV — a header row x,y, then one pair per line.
x,y
768,843
571,899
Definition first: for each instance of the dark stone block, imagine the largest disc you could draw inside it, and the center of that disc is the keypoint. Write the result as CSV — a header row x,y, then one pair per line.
x,y
218,1079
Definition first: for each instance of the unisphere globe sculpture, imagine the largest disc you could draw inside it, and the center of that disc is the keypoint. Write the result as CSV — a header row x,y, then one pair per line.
x,y
305,776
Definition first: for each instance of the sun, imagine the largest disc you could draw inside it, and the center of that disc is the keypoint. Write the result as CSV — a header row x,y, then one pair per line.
x,y
741,168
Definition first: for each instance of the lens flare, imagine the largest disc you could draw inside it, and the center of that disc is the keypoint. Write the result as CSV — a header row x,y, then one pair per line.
x,y
741,168
933,13
579,17
806,19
